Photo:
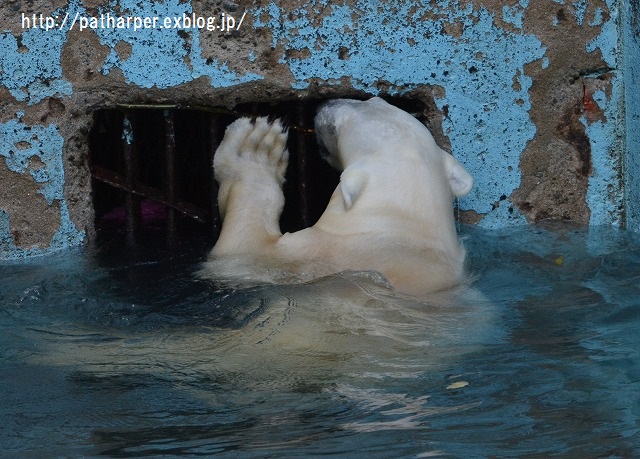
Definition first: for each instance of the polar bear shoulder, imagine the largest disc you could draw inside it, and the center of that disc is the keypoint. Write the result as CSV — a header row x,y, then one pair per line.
x,y
392,211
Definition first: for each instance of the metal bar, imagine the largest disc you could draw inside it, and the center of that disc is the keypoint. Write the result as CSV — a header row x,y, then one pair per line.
x,y
301,165
117,181
200,108
170,170
132,202
127,107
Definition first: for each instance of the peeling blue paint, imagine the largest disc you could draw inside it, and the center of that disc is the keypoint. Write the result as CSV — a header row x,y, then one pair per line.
x,y
36,150
605,195
20,144
580,11
161,57
482,72
580,8
65,238
631,110
597,18
515,14
607,39
31,69
505,215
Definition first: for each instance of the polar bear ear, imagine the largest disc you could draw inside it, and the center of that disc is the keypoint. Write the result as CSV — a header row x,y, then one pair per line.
x,y
459,179
352,182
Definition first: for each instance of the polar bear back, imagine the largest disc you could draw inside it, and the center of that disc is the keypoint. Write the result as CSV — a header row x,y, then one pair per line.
x,y
392,211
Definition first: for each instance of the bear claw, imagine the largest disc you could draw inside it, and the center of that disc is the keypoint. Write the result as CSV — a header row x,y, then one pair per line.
x,y
259,142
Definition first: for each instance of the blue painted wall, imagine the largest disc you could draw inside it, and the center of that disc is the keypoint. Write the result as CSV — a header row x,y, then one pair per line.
x,y
480,68
631,70
479,103
45,144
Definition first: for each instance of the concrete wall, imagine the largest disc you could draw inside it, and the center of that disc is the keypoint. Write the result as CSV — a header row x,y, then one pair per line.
x,y
630,69
529,94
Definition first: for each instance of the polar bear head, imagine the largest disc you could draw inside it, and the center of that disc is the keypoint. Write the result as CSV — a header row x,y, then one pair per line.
x,y
352,131
391,212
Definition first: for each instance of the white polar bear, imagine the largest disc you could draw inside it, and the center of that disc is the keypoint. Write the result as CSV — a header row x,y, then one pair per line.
x,y
391,212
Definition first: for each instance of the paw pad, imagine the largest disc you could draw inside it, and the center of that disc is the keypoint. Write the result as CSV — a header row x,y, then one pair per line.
x,y
250,146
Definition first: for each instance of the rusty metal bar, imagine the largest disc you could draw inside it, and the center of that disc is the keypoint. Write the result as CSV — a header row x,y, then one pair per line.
x,y
141,181
117,181
170,170
132,202
301,165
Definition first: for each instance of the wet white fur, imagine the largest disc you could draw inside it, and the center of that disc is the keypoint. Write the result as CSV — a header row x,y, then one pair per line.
x,y
391,212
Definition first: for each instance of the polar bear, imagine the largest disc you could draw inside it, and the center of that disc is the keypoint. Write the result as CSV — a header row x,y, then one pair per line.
x,y
391,212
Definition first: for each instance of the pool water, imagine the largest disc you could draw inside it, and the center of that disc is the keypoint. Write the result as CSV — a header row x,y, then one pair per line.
x,y
123,352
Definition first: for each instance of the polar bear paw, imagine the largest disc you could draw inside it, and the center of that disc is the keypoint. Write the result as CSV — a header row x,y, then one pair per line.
x,y
252,147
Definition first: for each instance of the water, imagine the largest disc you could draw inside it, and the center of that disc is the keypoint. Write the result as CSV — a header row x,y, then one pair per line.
x,y
123,353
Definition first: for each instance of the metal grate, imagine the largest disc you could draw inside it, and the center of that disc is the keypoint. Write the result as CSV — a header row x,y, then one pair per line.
x,y
152,167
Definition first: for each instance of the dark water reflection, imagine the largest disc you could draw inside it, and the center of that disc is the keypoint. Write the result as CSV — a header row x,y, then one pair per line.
x,y
124,354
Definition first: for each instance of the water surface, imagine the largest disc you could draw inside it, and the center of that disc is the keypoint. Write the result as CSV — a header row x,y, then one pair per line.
x,y
124,353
